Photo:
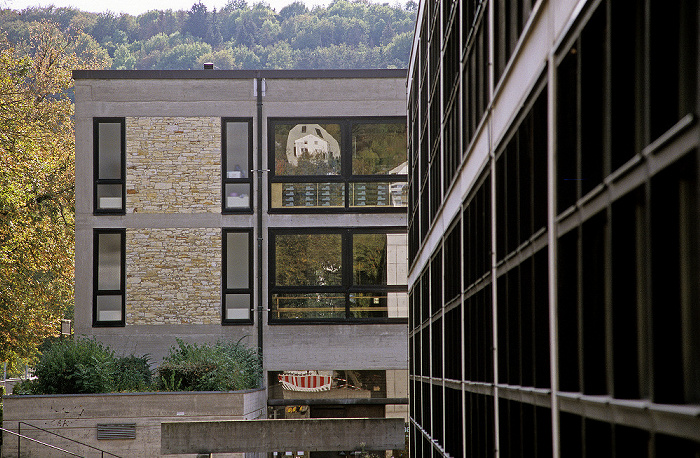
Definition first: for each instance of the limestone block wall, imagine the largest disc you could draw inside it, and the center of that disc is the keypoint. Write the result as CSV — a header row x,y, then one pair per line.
x,y
173,276
173,165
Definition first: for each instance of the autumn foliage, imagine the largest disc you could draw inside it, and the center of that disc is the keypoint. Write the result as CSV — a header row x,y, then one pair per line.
x,y
37,190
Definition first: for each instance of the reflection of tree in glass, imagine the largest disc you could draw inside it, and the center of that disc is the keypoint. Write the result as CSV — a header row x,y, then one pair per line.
x,y
369,259
307,163
308,259
378,148
311,306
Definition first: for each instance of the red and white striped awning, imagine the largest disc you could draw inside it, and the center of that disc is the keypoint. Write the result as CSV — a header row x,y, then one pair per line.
x,y
305,382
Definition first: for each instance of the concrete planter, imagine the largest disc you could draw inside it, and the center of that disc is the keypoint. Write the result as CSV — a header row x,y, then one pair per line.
x,y
129,423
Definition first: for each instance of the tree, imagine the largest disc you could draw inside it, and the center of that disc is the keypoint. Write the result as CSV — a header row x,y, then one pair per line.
x,y
37,198
197,23
293,9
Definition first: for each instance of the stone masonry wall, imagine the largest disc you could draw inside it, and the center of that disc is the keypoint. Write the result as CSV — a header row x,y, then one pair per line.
x,y
173,165
173,276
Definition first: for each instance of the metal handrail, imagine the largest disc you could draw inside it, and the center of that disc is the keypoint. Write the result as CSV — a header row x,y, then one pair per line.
x,y
19,436
19,429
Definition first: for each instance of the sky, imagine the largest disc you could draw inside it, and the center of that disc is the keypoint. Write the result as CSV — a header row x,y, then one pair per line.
x,y
135,7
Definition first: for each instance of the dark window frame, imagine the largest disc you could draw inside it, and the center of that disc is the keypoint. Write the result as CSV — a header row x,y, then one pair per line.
x,y
248,179
347,287
96,165
95,291
346,177
224,289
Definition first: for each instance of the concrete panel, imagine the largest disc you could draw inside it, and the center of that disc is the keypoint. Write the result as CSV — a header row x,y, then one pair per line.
x,y
161,90
77,416
330,347
320,90
273,435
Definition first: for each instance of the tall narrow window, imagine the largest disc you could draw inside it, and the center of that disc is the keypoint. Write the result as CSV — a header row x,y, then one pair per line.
x,y
237,276
237,153
109,162
109,277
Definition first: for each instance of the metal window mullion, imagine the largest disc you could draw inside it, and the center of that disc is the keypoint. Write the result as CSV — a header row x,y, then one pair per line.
x,y
552,252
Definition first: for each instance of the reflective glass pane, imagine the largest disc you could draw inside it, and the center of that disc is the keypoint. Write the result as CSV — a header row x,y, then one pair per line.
x,y
308,195
238,260
237,143
308,259
370,195
307,149
109,308
399,193
238,306
368,305
369,259
109,196
110,150
379,149
313,305
237,195
109,261
303,383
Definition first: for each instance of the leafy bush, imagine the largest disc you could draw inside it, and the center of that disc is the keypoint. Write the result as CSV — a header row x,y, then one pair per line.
x,y
225,366
132,373
85,366
75,366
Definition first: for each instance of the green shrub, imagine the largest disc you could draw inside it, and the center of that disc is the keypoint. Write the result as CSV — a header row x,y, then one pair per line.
x,y
132,373
225,366
26,387
83,366
75,366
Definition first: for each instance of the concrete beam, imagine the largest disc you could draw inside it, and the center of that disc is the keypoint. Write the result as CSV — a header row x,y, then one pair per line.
x,y
262,436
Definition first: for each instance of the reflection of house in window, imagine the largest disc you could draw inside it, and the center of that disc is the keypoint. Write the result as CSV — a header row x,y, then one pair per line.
x,y
311,145
319,145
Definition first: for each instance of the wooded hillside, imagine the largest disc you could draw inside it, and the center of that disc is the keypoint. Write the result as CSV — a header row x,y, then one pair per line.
x,y
345,34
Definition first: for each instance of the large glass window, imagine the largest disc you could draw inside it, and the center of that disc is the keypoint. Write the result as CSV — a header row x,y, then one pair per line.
x,y
237,152
338,274
109,277
109,161
237,275
338,164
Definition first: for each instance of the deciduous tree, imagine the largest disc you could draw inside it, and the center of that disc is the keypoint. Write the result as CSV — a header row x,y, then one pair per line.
x,y
37,197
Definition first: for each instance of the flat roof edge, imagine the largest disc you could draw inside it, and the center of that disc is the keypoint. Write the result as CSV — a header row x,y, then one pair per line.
x,y
238,74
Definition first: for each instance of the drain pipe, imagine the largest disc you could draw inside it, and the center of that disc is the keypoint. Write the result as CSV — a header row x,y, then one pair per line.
x,y
260,87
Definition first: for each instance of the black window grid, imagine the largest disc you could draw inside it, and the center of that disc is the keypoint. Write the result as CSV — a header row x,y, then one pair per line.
x,y
347,288
226,289
247,179
346,177
97,181
96,291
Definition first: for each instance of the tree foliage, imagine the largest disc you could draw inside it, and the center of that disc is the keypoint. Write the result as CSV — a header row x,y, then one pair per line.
x,y
345,34
37,184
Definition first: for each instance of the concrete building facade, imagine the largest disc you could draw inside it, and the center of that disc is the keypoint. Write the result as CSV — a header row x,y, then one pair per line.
x,y
192,222
553,229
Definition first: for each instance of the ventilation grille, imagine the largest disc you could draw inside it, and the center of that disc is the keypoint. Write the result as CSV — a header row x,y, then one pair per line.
x,y
116,431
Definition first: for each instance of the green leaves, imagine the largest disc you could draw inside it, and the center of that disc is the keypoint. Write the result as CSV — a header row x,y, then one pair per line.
x,y
83,366
345,34
224,366
37,197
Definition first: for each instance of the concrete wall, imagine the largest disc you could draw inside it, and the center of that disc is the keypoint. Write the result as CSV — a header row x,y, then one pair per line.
x,y
77,417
